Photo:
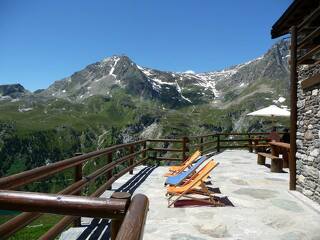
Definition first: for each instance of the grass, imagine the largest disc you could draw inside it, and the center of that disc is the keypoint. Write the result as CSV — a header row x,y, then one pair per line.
x,y
36,229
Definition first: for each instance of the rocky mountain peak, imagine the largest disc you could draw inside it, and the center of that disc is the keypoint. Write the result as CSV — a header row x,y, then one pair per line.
x,y
172,88
9,91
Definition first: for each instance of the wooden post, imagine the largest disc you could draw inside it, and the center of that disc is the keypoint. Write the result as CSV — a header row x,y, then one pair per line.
x,y
77,177
276,165
285,156
201,146
249,143
293,107
274,150
261,160
155,158
131,159
144,147
185,140
218,143
256,143
109,173
116,224
134,221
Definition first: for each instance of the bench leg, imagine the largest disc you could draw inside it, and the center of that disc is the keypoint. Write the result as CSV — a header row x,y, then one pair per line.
x,y
285,159
261,160
276,165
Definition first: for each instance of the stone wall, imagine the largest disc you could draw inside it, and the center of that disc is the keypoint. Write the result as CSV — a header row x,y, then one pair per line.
x,y
308,136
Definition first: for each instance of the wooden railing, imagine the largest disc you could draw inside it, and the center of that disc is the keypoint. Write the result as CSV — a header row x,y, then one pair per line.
x,y
135,154
123,212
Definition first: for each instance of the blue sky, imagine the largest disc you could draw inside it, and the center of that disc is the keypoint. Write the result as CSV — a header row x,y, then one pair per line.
x,y
42,41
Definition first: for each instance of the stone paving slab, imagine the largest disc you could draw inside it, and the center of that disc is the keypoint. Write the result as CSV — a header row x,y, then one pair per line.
x,y
264,208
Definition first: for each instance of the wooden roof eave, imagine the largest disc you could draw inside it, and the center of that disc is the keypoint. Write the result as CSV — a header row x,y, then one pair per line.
x,y
294,15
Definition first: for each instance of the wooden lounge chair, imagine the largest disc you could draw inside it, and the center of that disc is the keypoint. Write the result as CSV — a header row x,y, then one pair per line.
x,y
174,170
195,185
179,178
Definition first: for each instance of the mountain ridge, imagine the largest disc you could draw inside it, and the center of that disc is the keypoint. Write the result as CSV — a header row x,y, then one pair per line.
x,y
130,102
174,89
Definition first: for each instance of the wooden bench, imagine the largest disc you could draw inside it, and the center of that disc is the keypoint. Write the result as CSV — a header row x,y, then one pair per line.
x,y
276,162
259,147
281,148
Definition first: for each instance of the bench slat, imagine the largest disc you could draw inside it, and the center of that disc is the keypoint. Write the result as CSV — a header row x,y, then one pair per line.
x,y
267,155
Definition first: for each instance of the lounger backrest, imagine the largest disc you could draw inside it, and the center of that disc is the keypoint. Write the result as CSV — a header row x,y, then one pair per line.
x,y
192,158
176,180
202,174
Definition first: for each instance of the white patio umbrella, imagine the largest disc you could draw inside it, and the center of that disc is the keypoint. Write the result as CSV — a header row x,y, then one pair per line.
x,y
271,111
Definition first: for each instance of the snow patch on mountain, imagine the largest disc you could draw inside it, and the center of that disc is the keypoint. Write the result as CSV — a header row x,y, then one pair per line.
x,y
208,82
179,90
162,82
116,60
24,109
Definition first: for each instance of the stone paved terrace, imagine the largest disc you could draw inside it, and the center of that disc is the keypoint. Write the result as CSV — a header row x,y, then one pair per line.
x,y
263,206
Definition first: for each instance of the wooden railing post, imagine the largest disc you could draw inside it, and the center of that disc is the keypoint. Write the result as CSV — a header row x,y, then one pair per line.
x,y
250,143
116,223
77,177
218,143
131,160
144,147
109,173
201,145
185,140
134,220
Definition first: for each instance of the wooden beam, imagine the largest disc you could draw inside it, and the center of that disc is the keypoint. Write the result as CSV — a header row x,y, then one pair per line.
x,y
309,54
311,81
293,103
304,42
308,61
312,16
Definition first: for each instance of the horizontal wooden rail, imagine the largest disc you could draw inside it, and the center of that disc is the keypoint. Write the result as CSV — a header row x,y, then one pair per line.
x,y
62,204
65,221
20,221
203,136
116,176
234,146
167,159
165,140
204,144
20,179
134,221
229,134
166,149
211,149
243,140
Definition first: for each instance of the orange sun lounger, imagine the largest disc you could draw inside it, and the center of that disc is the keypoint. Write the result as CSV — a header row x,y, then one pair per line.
x,y
174,170
195,185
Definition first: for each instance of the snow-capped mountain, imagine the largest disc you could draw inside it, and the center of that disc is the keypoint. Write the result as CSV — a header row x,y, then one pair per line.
x,y
269,72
